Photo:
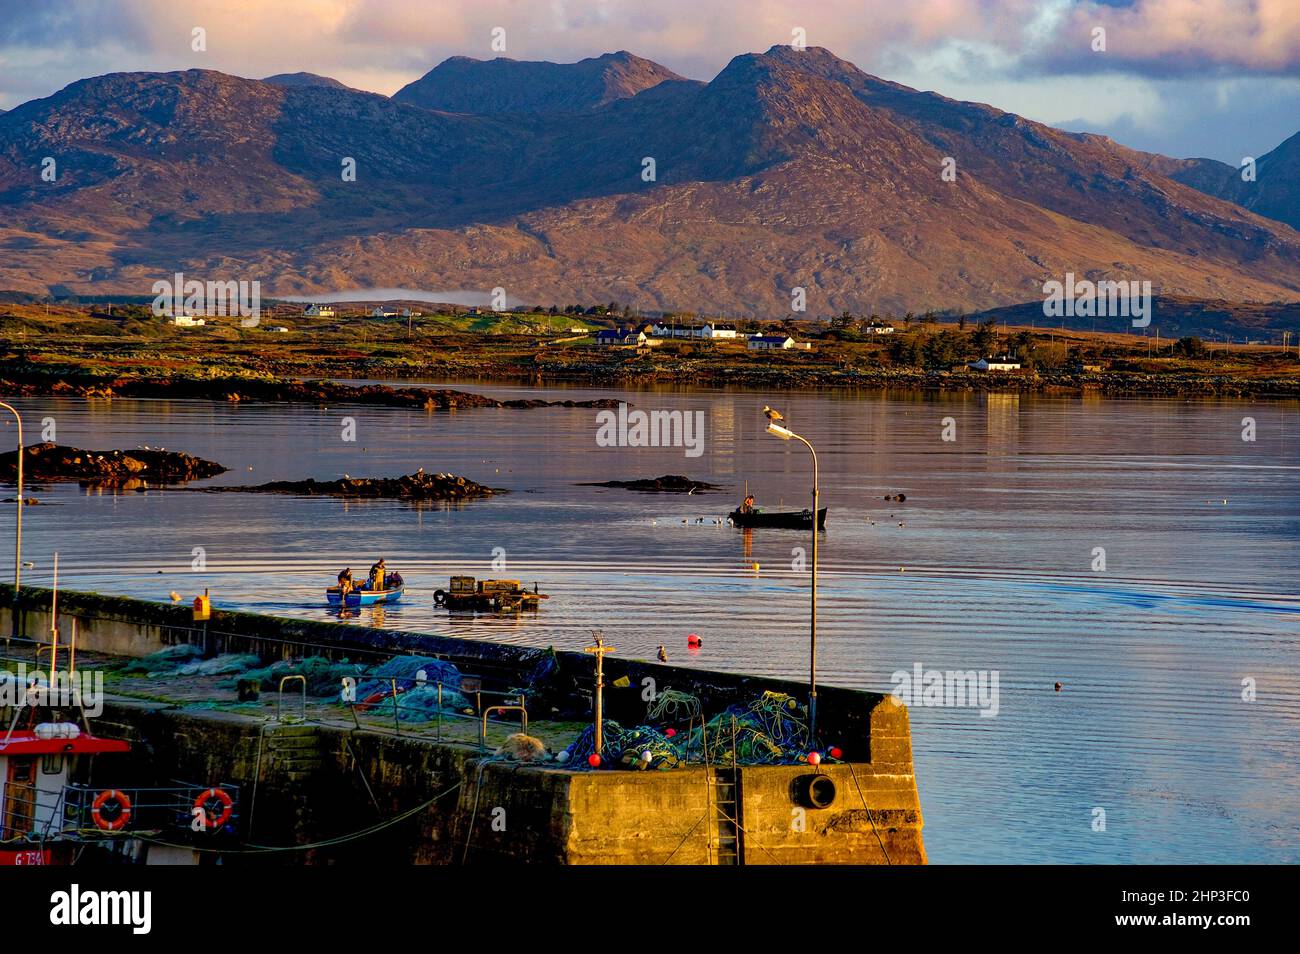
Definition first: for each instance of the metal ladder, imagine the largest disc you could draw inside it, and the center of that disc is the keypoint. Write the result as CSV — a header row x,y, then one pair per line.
x,y
725,787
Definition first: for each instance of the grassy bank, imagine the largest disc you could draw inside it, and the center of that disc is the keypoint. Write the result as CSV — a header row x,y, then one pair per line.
x,y
60,353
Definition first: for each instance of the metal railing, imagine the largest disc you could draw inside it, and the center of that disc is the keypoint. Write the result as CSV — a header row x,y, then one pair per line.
x,y
128,809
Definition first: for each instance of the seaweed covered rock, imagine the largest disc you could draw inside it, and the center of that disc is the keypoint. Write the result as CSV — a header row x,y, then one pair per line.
x,y
48,462
417,486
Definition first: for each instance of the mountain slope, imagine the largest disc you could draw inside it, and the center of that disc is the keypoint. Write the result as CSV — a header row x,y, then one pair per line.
x,y
791,169
465,85
1275,193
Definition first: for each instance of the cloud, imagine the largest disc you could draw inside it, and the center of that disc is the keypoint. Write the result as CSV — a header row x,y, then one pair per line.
x,y
1184,37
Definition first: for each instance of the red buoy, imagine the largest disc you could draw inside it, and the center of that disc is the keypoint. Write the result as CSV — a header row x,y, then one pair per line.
x,y
670,733
593,760
693,640
814,758
836,752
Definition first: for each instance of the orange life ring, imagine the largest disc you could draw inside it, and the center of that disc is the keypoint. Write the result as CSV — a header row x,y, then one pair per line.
x,y
223,799
123,810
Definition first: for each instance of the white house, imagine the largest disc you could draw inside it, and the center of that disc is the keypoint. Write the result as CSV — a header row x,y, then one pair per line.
x,y
879,328
771,343
1004,363
718,331
281,329
382,312
621,337
188,321
319,311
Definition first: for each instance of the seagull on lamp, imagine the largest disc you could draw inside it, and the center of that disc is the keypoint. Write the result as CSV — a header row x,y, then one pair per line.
x,y
772,414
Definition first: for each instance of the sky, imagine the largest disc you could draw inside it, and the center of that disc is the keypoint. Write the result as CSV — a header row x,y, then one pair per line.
x,y
1214,78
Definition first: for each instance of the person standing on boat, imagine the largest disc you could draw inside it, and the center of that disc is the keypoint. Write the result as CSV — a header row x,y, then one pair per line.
x,y
748,505
377,574
345,582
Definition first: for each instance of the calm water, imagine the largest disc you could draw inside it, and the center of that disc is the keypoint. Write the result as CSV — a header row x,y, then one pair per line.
x,y
987,566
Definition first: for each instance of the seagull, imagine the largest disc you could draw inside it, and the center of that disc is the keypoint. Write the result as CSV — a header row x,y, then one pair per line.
x,y
176,597
773,415
663,654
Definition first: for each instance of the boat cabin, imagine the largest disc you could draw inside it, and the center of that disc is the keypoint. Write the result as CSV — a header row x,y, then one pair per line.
x,y
36,767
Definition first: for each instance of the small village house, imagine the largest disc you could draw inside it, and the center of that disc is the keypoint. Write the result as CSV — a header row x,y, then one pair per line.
x,y
1004,363
771,343
718,331
621,337
315,310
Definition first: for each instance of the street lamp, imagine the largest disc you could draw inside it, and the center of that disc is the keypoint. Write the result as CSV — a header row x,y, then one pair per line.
x,y
18,524
18,531
783,432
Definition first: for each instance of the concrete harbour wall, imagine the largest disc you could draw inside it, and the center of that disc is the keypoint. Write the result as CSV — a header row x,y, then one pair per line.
x,y
306,787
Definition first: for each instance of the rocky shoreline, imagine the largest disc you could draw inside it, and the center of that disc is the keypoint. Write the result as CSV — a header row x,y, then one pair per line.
x,y
417,486
56,462
67,374
270,390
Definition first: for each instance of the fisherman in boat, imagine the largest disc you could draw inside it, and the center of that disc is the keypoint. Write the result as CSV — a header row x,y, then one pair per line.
x,y
748,505
377,574
345,582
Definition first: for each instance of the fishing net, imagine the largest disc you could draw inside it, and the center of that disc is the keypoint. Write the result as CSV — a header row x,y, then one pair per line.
x,y
771,730
414,700
165,661
626,747
324,676
218,665
405,670
419,705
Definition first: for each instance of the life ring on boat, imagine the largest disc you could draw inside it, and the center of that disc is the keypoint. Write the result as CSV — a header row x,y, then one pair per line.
x,y
440,596
213,819
119,810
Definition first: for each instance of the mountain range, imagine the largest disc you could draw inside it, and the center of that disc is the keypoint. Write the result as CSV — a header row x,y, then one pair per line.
x,y
616,179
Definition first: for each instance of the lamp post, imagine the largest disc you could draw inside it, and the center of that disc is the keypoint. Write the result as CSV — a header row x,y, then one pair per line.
x,y
18,531
779,430
18,524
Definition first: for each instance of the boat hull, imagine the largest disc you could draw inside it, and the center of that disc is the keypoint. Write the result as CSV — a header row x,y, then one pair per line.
x,y
363,597
778,519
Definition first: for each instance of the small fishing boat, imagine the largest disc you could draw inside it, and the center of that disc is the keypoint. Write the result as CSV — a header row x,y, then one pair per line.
x,y
364,596
778,519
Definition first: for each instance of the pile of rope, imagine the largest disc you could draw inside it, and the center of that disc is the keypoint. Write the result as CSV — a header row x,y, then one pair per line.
x,y
771,730
628,748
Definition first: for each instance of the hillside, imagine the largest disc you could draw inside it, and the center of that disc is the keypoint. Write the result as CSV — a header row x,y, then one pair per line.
x,y
789,169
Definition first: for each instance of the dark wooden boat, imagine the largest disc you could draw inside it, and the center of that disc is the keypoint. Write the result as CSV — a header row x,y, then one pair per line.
x,y
778,519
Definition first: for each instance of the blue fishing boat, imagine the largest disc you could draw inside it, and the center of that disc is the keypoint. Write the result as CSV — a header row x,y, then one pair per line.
x,y
363,596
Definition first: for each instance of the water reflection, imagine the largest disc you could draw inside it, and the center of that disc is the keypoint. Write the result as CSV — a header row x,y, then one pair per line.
x,y
995,541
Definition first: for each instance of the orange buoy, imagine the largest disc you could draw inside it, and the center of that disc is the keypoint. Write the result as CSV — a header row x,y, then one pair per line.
x,y
118,805
214,818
